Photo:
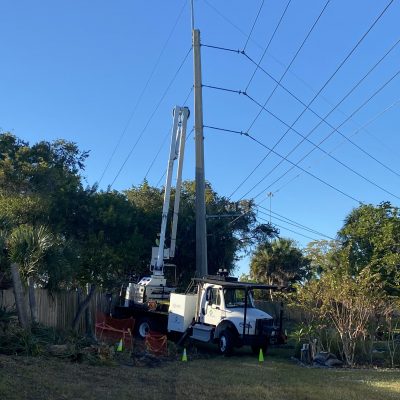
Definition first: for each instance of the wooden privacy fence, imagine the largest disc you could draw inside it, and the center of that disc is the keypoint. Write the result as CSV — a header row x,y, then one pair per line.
x,y
58,309
292,314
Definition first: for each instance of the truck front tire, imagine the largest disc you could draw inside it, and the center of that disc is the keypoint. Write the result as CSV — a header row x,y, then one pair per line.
x,y
226,342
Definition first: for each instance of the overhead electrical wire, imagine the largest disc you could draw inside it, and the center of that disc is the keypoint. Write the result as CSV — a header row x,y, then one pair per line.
x,y
286,159
271,150
321,89
288,229
269,43
142,93
323,119
362,127
289,221
256,43
247,40
166,136
323,86
254,24
151,117
291,62
246,134
367,131
334,158
273,217
286,69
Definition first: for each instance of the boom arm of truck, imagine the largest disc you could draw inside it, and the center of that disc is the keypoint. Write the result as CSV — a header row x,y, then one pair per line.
x,y
177,150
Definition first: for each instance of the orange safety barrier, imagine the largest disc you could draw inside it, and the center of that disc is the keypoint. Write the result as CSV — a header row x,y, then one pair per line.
x,y
156,343
111,330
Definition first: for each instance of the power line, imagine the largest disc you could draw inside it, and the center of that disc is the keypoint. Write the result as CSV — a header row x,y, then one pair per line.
x,y
278,61
323,119
321,89
353,134
132,114
322,141
330,155
312,143
289,221
380,141
290,230
269,43
291,62
254,24
283,157
151,117
296,76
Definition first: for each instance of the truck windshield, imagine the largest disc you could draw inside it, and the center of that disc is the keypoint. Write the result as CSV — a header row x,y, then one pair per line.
x,y
236,298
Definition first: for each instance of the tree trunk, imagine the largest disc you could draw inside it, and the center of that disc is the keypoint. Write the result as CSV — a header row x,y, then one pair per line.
x,y
82,307
32,300
19,297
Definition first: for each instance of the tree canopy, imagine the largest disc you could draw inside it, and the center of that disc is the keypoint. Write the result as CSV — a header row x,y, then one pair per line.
x,y
371,237
105,237
280,262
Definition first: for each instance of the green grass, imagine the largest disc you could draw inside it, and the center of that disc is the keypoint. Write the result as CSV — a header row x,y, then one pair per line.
x,y
204,377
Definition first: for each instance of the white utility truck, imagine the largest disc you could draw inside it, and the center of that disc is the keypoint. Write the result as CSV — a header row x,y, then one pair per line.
x,y
215,309
221,310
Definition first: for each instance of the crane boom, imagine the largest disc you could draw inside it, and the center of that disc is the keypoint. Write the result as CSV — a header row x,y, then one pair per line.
x,y
177,150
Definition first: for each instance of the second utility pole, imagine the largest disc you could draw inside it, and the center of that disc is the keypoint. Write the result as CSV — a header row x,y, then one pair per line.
x,y
201,230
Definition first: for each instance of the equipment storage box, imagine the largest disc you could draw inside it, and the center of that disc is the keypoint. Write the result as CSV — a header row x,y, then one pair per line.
x,y
182,308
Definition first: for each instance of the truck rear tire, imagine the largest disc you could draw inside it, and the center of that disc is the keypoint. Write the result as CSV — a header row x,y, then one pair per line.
x,y
144,326
226,342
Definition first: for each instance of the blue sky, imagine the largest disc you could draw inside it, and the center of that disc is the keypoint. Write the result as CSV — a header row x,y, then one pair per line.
x,y
97,72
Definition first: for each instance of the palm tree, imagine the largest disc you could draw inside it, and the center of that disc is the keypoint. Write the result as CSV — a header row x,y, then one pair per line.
x,y
27,248
278,262
19,293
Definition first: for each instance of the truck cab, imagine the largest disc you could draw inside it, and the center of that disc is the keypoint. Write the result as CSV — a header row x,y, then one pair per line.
x,y
222,311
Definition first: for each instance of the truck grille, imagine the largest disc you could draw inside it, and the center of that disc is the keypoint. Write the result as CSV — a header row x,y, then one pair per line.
x,y
264,326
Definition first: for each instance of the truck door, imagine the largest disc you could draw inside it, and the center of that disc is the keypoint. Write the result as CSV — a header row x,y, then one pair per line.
x,y
213,306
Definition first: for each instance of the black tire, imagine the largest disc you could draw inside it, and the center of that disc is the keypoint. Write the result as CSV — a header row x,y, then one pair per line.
x,y
143,327
226,342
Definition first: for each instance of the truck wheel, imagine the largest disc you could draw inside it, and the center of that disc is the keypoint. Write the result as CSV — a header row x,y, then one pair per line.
x,y
226,342
143,327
